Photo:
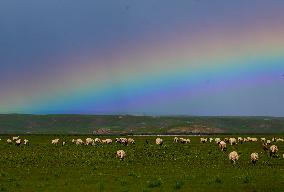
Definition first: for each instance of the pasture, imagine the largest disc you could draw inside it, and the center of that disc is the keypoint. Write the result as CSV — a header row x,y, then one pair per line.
x,y
42,166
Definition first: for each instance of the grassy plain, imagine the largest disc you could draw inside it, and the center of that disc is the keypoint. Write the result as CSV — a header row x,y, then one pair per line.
x,y
147,167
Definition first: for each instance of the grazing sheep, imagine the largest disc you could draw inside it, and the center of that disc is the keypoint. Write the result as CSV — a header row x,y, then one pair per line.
x,y
63,143
268,142
279,140
159,141
203,140
264,147
273,150
254,157
233,157
90,141
9,141
107,141
18,142
226,139
253,139
26,142
263,139
217,140
210,139
130,141
240,140
123,141
15,138
176,139
55,141
232,141
98,140
273,139
183,141
79,142
120,154
223,146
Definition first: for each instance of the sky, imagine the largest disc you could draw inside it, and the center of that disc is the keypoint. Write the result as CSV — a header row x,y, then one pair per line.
x,y
150,57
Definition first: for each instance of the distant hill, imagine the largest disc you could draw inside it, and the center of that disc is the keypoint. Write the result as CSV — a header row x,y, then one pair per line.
x,y
128,124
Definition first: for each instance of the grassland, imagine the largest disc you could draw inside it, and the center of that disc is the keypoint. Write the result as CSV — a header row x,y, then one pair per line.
x,y
148,167
129,124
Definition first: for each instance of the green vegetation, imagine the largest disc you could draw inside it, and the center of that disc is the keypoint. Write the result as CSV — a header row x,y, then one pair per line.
x,y
126,124
147,167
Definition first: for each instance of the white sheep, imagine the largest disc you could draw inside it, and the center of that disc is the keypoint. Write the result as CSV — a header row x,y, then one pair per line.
x,y
79,142
273,150
217,140
254,157
203,140
175,139
9,141
55,141
130,141
90,141
121,154
18,142
233,156
26,142
223,145
232,141
98,140
15,138
268,142
159,141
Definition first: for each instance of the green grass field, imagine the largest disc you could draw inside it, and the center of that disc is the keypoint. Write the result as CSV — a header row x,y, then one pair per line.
x,y
147,167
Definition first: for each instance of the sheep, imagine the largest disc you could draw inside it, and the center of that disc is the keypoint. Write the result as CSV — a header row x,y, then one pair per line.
x,y
9,141
15,138
240,140
26,142
18,142
122,141
264,147
121,154
98,140
55,141
262,139
107,141
63,143
182,140
279,139
176,140
273,150
233,157
89,141
268,142
217,140
254,157
226,139
79,142
203,140
130,141
253,139
159,141
232,141
211,139
223,146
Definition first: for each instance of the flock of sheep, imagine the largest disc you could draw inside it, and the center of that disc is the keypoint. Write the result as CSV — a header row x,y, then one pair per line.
x,y
222,143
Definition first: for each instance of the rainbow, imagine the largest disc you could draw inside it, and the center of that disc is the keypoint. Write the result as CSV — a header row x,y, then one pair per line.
x,y
155,76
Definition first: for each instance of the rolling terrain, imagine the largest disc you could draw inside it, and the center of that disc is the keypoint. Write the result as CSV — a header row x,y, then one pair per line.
x,y
130,124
